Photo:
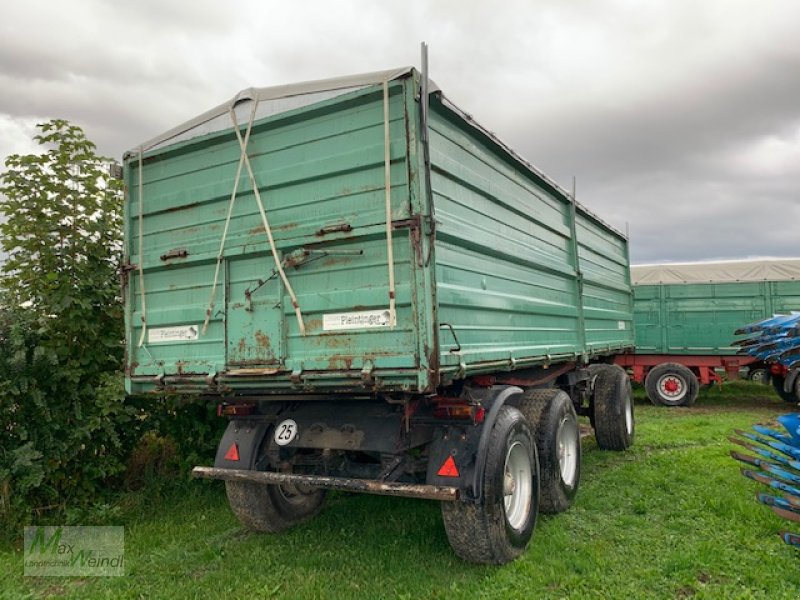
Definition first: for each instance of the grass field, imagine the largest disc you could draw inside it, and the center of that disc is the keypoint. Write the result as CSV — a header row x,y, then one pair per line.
x,y
672,518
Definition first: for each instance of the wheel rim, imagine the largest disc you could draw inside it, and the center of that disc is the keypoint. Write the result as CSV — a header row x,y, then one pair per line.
x,y
759,376
672,387
629,414
567,442
517,485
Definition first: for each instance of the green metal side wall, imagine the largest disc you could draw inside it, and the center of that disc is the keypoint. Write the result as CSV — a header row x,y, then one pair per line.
x,y
501,280
700,318
317,167
506,275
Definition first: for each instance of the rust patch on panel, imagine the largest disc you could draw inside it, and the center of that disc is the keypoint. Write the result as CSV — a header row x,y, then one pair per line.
x,y
337,340
340,361
313,324
336,260
262,340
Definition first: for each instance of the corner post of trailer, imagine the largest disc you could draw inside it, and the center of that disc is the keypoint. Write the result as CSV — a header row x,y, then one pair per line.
x,y
573,230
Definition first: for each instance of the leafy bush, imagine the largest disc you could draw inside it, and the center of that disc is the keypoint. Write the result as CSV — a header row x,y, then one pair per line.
x,y
66,428
61,417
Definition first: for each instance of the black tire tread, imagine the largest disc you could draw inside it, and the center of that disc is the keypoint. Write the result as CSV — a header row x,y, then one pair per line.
x,y
610,387
693,386
258,507
791,397
476,532
539,406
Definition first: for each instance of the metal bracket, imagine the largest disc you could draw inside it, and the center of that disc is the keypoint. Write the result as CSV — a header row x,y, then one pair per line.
x,y
366,372
455,337
296,373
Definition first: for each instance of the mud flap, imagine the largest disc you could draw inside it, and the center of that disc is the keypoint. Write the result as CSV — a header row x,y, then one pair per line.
x,y
467,446
239,446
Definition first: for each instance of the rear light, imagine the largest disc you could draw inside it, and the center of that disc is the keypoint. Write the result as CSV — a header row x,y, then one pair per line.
x,y
235,410
460,412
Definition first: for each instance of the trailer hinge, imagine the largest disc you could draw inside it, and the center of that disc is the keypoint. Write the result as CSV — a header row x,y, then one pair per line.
x,y
296,373
366,372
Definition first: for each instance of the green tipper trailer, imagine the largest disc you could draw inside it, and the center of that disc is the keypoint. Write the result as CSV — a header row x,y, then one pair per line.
x,y
382,297
685,316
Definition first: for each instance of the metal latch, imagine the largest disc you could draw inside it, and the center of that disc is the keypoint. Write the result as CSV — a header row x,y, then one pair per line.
x,y
175,253
335,228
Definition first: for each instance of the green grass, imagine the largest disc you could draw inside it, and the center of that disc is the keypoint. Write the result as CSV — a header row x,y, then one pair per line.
x,y
671,518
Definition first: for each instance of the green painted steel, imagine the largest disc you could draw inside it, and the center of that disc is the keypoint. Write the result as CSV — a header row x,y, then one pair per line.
x,y
700,318
496,276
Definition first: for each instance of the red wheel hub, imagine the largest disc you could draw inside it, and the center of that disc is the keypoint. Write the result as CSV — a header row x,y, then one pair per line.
x,y
671,386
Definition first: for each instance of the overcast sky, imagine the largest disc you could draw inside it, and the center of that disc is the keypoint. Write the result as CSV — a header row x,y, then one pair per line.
x,y
680,118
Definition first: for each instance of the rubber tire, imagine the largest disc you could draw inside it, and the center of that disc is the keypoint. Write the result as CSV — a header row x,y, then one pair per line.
x,y
791,397
679,371
758,375
611,398
545,409
272,508
480,532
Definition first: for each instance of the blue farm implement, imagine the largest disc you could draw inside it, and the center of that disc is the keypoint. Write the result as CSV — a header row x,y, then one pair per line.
x,y
775,342
784,476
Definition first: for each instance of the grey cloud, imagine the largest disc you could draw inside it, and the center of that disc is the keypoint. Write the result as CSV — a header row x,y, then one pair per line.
x,y
655,107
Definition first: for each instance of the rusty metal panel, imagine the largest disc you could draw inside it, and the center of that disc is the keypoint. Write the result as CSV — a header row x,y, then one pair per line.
x,y
495,268
320,172
508,285
607,295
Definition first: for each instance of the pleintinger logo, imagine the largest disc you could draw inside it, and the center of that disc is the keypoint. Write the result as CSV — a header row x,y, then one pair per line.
x,y
74,551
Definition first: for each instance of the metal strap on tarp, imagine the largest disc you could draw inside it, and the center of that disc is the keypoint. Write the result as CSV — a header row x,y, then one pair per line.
x,y
141,255
231,203
244,159
387,170
267,229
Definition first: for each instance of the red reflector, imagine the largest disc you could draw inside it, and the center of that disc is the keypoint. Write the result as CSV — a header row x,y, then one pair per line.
x,y
233,452
448,469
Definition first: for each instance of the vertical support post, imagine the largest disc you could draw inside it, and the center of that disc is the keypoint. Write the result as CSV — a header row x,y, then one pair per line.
x,y
387,171
631,299
428,225
769,295
663,316
573,229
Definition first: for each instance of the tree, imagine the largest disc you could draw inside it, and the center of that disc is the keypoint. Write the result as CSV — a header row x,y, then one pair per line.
x,y
61,325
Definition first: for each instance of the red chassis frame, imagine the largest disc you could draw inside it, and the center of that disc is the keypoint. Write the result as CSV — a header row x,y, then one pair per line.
x,y
702,366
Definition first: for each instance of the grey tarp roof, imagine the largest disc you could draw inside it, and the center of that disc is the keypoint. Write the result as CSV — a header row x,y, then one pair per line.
x,y
768,269
282,98
272,100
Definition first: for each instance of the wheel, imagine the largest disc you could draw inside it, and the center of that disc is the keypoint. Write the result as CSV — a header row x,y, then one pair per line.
x,y
671,384
497,529
792,397
558,443
272,508
612,407
758,375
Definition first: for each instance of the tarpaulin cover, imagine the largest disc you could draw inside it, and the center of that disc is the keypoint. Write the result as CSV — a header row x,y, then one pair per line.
x,y
784,269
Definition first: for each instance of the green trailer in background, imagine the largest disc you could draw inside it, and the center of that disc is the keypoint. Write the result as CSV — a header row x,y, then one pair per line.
x,y
381,297
685,316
